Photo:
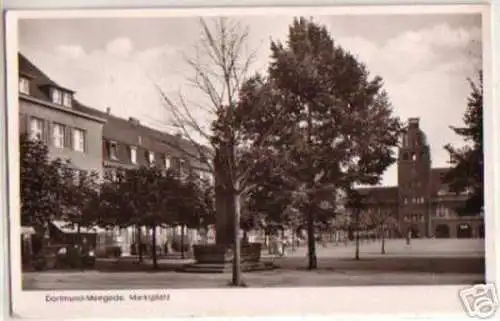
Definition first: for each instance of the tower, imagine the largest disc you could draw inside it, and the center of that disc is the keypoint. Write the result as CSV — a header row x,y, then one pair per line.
x,y
414,169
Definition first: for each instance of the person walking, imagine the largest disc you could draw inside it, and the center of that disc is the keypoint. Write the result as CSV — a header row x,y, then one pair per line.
x,y
284,244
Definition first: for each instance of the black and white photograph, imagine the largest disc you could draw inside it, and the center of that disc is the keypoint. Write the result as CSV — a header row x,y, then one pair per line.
x,y
262,150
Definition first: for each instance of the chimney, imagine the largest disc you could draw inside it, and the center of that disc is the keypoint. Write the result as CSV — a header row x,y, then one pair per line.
x,y
413,121
134,120
108,110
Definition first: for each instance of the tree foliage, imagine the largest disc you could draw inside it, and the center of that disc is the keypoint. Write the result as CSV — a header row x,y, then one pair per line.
x,y
467,173
337,127
41,184
80,196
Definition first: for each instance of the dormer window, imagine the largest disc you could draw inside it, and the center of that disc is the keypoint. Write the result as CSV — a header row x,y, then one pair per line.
x,y
56,96
24,85
66,101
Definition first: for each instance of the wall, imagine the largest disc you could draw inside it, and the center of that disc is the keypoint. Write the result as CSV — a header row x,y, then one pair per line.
x,y
89,160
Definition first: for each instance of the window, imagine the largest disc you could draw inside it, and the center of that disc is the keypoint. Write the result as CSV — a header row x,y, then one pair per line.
x,y
56,96
66,99
24,85
405,140
133,154
78,140
151,157
167,162
112,150
413,156
36,128
58,135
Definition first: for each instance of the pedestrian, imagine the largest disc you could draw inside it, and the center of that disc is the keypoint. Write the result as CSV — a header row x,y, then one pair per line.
x,y
284,244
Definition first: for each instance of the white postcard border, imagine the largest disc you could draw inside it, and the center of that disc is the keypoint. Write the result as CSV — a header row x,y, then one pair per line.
x,y
414,300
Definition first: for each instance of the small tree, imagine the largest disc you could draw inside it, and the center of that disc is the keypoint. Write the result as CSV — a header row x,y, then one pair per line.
x,y
387,223
356,203
42,187
194,207
81,190
467,173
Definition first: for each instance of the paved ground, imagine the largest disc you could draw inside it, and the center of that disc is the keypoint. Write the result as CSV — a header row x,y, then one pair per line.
x,y
423,262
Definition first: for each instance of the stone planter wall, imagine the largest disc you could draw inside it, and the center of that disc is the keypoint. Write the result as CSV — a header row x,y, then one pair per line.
x,y
219,253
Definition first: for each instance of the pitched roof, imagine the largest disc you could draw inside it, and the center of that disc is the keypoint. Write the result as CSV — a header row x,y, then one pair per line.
x,y
116,128
133,133
39,80
380,194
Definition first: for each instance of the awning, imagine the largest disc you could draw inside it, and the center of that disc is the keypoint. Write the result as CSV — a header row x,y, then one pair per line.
x,y
27,230
67,228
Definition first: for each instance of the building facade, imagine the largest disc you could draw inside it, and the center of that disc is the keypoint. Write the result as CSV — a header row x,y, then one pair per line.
x,y
129,144
49,112
98,141
422,203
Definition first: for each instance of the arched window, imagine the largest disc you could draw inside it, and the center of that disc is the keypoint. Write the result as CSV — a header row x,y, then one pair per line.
x,y
405,140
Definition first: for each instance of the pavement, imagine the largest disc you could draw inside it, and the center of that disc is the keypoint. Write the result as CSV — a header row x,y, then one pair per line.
x,y
423,262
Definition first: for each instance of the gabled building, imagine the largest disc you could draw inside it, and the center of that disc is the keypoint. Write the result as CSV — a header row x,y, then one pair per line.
x,y
127,143
50,112
98,141
422,203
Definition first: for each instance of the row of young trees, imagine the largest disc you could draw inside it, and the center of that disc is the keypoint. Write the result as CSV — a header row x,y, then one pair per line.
x,y
143,197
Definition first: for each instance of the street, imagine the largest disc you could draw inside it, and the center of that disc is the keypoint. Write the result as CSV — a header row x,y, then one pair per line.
x,y
423,262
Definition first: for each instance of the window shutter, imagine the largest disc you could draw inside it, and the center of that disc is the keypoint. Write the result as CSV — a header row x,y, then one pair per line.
x,y
46,132
85,141
68,137
23,124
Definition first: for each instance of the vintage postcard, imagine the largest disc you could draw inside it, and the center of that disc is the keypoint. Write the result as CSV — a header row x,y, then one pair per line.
x,y
242,162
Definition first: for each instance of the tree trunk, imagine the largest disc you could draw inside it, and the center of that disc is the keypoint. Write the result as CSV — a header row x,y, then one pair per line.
x,y
383,242
236,277
356,256
267,242
245,236
311,242
153,245
293,239
182,241
79,234
139,243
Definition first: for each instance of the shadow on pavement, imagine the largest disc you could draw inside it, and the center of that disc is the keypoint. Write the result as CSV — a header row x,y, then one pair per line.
x,y
391,264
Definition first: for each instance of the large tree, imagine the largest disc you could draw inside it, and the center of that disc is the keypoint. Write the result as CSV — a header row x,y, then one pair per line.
x,y
221,67
338,129
467,173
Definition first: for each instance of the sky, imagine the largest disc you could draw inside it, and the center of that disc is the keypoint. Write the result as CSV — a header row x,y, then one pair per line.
x,y
425,61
